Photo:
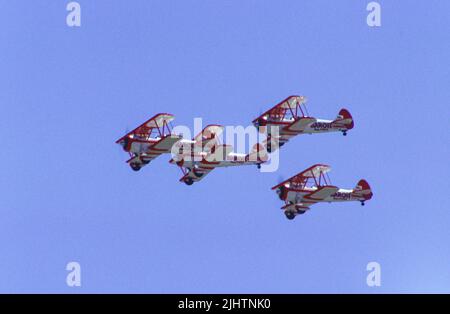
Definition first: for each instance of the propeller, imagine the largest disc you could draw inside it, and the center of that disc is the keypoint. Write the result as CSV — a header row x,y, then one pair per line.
x,y
280,189
127,129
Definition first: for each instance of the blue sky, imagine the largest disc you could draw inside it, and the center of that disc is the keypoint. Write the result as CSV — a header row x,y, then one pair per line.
x,y
68,93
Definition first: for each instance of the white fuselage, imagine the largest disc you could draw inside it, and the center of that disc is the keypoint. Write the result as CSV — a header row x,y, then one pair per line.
x,y
315,126
320,126
340,195
232,159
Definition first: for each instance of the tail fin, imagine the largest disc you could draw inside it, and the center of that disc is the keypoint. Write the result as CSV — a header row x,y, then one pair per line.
x,y
345,119
362,190
258,153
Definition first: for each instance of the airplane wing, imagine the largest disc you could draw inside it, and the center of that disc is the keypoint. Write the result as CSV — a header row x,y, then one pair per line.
x,y
314,171
278,112
197,174
145,129
296,207
218,153
302,177
287,132
320,194
208,137
298,126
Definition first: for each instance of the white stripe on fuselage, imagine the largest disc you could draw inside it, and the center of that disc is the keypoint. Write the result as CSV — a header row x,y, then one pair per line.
x,y
341,195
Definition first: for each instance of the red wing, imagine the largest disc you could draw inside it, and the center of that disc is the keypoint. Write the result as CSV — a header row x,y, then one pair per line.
x,y
314,171
280,110
144,130
302,177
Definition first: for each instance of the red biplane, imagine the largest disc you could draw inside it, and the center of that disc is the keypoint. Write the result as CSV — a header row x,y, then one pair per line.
x,y
149,140
298,194
291,118
200,156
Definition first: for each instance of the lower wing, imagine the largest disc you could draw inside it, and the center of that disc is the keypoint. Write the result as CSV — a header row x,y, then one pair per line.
x,y
197,173
320,194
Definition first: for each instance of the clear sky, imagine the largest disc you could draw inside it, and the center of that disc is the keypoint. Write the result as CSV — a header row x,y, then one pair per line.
x,y
68,93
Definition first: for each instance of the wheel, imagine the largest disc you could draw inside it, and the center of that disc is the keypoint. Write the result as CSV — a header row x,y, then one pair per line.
x,y
362,203
258,166
289,215
189,181
135,167
198,174
344,133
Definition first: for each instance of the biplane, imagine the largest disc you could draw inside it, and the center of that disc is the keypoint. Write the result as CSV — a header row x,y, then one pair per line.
x,y
291,118
313,186
204,153
149,140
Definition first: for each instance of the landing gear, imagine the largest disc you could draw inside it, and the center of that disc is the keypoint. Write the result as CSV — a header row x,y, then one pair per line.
x,y
197,173
135,166
188,181
362,203
258,166
344,133
289,215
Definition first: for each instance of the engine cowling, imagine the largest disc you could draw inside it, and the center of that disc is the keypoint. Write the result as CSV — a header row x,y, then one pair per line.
x,y
281,192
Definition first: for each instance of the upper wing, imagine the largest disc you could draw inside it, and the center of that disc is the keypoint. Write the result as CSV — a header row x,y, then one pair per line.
x,y
144,130
302,177
314,171
279,111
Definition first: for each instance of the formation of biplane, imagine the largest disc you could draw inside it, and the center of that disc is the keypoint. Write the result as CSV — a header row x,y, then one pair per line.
x,y
198,157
